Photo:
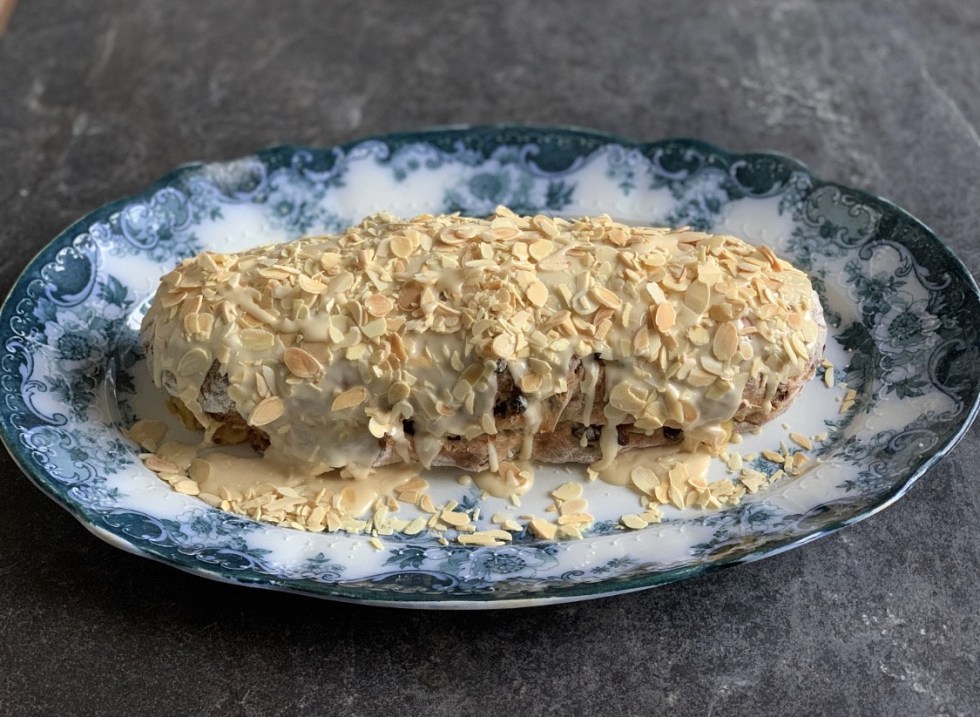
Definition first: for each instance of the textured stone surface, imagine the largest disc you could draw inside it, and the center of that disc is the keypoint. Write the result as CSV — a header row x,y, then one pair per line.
x,y
98,99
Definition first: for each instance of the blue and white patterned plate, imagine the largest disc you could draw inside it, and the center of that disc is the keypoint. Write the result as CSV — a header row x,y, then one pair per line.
x,y
904,317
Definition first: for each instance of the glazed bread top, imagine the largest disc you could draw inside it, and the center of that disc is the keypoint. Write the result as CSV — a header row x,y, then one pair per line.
x,y
333,342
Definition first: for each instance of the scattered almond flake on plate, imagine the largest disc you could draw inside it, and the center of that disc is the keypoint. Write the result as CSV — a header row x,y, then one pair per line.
x,y
801,441
634,522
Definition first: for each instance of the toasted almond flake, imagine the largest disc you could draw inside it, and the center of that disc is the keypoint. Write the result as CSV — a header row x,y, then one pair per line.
x,y
148,433
567,491
542,528
697,297
665,317
401,246
802,441
504,346
310,285
697,482
576,505
618,235
415,527
606,297
266,411
481,539
455,519
379,305
634,522
351,398
541,249
653,515
195,361
576,519
828,377
725,343
187,487
160,465
172,298
772,456
537,293
301,363
374,329
545,225
257,339
645,479
569,532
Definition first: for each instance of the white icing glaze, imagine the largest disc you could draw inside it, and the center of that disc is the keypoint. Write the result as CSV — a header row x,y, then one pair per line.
x,y
331,343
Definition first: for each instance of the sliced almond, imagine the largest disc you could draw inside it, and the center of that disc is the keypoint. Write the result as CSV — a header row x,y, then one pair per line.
x,y
645,479
801,441
195,361
504,346
187,487
401,246
148,433
160,465
266,411
378,305
697,297
328,260
350,398
546,226
665,317
542,528
725,343
257,339
634,522
301,363
537,293
374,329
541,249
606,297
310,285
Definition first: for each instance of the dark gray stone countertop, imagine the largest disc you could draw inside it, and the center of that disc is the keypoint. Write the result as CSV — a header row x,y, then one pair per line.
x,y
99,99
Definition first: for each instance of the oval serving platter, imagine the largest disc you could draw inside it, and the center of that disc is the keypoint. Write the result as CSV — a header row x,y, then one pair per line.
x,y
904,316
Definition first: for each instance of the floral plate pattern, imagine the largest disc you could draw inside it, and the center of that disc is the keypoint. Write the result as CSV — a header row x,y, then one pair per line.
x,y
904,316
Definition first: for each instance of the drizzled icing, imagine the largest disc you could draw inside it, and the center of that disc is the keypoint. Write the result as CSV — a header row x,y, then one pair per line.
x,y
332,343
